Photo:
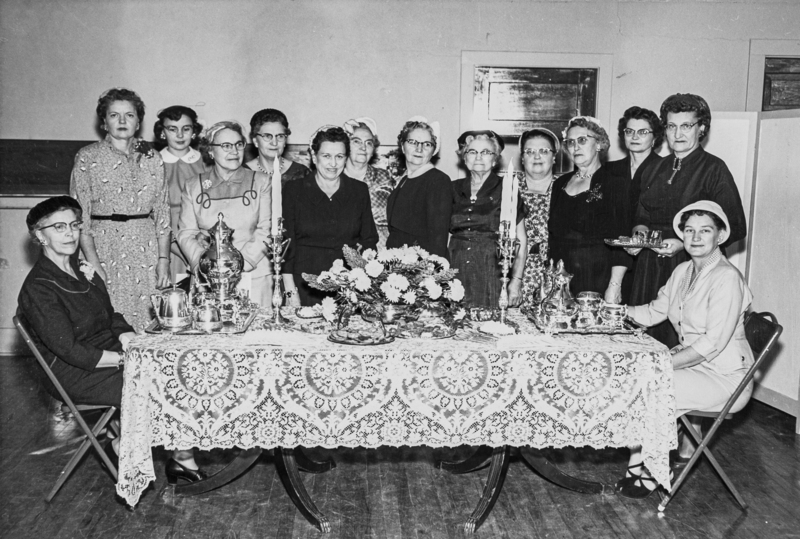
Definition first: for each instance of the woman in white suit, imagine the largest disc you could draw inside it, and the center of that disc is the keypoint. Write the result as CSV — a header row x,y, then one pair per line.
x,y
705,299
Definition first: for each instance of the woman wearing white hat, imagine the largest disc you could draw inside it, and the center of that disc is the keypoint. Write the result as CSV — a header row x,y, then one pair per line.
x,y
363,134
705,300
418,210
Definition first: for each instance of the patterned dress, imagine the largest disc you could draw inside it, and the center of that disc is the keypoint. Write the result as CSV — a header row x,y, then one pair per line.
x,y
537,207
106,181
380,184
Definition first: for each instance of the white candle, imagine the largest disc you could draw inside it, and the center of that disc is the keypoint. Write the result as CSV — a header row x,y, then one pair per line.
x,y
277,203
512,227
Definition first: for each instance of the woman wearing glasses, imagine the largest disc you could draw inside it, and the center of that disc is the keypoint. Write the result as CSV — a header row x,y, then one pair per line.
x,y
269,130
418,210
587,206
363,134
242,196
641,131
476,220
685,176
66,304
120,184
538,148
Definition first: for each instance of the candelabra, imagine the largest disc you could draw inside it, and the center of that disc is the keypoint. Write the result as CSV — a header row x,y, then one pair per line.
x,y
276,249
506,249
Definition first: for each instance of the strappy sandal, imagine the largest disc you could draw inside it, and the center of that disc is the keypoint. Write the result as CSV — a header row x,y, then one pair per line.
x,y
632,486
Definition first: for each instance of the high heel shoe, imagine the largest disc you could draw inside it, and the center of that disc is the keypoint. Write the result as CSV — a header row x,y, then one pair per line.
x,y
176,470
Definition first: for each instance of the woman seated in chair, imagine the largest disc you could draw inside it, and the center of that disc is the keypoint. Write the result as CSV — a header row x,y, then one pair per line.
x,y
66,304
705,299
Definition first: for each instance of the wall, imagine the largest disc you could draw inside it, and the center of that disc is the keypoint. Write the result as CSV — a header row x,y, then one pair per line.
x,y
324,62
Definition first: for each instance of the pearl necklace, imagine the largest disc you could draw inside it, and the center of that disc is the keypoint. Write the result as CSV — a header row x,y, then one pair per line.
x,y
261,169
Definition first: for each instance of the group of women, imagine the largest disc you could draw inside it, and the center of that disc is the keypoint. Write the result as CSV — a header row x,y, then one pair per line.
x,y
139,216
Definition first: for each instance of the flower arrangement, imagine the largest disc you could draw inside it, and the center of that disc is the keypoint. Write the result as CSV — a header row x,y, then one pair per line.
x,y
406,276
87,269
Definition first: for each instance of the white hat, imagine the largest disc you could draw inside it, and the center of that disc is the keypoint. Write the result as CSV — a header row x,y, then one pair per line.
x,y
350,125
705,205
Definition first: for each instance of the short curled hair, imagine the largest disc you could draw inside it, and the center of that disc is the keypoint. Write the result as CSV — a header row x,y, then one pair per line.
x,y
493,140
265,116
175,113
639,113
207,139
331,134
409,126
688,103
600,134
46,208
718,222
539,133
119,94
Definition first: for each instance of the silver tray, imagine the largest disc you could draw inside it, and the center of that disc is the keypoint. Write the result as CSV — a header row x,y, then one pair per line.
x,y
228,328
628,327
335,338
635,244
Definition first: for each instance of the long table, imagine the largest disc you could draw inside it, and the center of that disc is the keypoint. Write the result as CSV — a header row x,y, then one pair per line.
x,y
288,390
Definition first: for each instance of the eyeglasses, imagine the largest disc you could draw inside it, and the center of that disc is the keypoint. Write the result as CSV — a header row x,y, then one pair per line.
x,y
363,143
186,129
62,227
269,137
581,141
227,147
543,152
685,128
475,153
427,145
641,132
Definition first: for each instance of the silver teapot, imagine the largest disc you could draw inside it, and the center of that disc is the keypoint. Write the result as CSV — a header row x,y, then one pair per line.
x,y
221,264
560,307
172,308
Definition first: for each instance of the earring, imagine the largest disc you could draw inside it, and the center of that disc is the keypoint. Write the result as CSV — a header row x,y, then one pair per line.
x,y
43,242
163,136
193,137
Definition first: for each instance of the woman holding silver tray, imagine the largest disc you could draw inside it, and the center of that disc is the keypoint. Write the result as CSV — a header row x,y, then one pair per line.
x,y
704,300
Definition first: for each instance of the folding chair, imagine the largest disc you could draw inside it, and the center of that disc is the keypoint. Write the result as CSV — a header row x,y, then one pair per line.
x,y
90,435
762,331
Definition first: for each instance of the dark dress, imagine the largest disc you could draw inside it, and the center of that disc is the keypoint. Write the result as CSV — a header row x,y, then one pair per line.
x,y
579,224
702,176
622,169
418,212
474,226
319,226
74,323
296,171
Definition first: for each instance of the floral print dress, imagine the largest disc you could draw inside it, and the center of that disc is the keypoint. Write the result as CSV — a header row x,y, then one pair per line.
x,y
537,206
106,181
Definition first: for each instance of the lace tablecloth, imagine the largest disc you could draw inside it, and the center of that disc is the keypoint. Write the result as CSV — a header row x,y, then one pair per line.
x,y
269,389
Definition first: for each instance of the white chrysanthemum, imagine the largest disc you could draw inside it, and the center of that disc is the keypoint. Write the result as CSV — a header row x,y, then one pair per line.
x,y
329,308
397,281
456,290
360,279
391,293
369,254
338,266
387,256
325,276
410,297
440,261
433,288
373,268
421,252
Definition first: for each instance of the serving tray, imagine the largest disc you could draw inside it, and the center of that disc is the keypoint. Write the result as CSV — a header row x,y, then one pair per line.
x,y
228,328
628,327
634,244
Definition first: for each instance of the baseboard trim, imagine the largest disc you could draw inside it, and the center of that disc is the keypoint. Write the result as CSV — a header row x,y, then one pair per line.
x,y
777,400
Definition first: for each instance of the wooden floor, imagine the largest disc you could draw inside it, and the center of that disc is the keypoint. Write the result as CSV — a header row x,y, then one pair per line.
x,y
393,493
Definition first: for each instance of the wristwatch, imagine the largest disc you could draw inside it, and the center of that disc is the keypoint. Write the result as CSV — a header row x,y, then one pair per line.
x,y
290,293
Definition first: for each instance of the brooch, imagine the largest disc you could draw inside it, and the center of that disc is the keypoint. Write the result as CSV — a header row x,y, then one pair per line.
x,y
207,184
594,194
87,269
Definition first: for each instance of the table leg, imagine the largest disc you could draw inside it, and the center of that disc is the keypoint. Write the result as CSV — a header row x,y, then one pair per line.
x,y
474,462
549,471
494,484
286,464
306,464
234,469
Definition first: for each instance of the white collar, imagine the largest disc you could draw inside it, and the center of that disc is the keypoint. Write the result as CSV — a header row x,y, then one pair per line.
x,y
191,157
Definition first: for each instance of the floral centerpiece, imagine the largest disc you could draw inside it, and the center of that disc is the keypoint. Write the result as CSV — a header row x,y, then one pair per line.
x,y
408,277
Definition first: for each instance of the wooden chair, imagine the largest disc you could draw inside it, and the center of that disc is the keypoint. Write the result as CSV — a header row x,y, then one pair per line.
x,y
762,331
90,434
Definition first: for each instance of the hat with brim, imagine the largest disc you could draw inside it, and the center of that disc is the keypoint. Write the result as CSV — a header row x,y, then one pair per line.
x,y
705,205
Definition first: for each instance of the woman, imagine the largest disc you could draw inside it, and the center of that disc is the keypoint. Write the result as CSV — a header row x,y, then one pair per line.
x,y
642,133
323,213
687,175
475,223
269,130
120,184
705,300
178,128
538,148
67,306
587,206
363,134
418,210
242,196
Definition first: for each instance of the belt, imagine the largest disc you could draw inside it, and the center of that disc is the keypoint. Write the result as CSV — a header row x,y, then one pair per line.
x,y
120,217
